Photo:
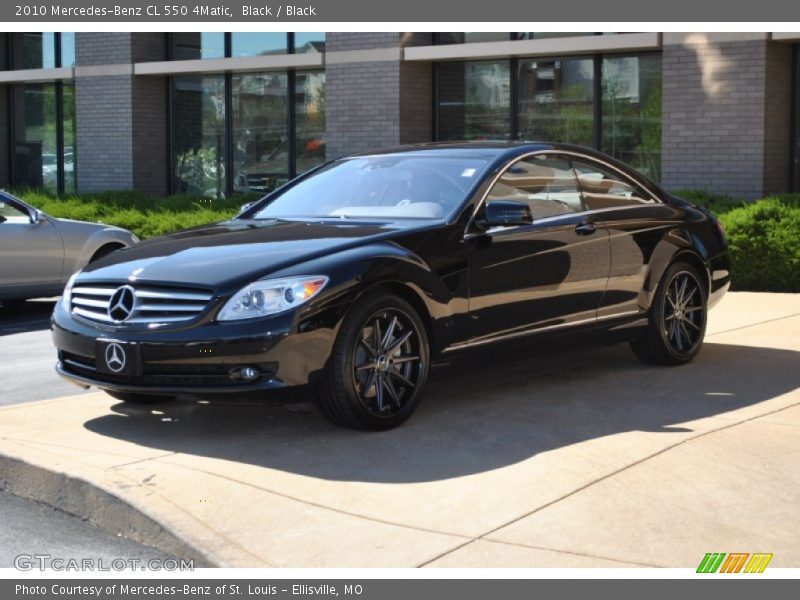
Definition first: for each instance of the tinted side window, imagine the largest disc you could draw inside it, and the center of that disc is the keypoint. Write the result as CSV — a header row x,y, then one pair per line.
x,y
604,188
547,183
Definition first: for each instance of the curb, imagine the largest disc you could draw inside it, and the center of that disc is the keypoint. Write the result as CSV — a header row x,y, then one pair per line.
x,y
102,509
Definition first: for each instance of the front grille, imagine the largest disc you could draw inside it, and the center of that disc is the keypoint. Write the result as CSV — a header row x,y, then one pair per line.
x,y
151,305
161,375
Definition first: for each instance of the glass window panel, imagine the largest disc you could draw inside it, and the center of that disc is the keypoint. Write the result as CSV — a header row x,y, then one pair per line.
x,y
309,42
68,115
555,100
473,100
471,36
35,159
604,188
546,183
199,135
260,133
67,49
35,50
309,120
258,44
191,46
632,111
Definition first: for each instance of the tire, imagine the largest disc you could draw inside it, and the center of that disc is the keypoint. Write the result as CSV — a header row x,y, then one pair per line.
x,y
678,318
134,398
378,367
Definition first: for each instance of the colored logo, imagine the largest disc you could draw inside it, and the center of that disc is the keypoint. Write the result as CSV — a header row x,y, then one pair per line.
x,y
734,562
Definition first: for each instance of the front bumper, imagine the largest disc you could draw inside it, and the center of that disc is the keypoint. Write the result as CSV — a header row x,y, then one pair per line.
x,y
198,359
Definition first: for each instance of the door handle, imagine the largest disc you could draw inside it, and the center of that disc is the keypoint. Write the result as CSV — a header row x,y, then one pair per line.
x,y
585,228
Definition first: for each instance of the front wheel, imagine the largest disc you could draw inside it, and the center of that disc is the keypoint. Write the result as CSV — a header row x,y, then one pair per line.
x,y
677,319
378,367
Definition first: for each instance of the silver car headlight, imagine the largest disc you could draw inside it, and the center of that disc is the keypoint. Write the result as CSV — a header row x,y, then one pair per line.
x,y
271,296
66,295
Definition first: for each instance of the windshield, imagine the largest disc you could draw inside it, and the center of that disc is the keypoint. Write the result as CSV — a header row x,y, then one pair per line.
x,y
393,186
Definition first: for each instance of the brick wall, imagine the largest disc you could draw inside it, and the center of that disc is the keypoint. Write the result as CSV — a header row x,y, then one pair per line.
x,y
104,124
376,103
725,115
121,120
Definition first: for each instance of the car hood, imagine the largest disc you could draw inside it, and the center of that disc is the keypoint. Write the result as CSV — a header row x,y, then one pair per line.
x,y
235,252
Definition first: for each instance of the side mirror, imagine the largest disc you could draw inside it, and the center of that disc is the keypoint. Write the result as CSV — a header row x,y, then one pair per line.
x,y
36,216
506,213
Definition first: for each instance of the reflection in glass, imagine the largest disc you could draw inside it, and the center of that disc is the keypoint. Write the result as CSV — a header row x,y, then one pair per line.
x,y
33,50
632,111
473,100
190,46
198,135
309,42
260,137
309,120
35,152
258,44
68,117
67,49
555,100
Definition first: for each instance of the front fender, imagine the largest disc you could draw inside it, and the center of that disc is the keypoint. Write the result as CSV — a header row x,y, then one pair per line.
x,y
357,271
78,255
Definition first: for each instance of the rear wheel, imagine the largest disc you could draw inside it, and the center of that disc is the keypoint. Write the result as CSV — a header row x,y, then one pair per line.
x,y
677,319
135,398
378,367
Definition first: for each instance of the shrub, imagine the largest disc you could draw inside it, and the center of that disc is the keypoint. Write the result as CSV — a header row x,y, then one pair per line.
x,y
764,244
145,215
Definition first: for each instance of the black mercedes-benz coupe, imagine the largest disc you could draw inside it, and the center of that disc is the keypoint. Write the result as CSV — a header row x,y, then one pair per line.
x,y
353,278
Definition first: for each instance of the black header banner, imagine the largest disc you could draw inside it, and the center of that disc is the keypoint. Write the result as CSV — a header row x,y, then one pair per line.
x,y
443,11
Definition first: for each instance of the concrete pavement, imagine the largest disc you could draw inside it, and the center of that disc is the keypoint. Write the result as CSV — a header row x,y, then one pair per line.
x,y
27,355
583,459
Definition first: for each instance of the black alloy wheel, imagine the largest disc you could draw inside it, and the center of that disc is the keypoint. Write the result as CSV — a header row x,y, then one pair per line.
x,y
677,318
683,314
387,364
378,367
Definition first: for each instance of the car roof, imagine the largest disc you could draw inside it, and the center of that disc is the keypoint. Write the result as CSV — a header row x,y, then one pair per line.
x,y
477,149
497,152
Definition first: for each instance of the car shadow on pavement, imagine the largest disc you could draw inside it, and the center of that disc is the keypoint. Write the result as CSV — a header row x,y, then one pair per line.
x,y
22,317
472,419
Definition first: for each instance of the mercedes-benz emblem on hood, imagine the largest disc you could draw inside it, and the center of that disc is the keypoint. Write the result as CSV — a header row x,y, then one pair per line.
x,y
115,358
121,304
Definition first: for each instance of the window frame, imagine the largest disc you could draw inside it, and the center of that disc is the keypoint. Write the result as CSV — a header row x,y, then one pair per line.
x,y
471,230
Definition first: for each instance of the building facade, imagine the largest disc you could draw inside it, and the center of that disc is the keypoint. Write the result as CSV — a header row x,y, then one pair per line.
x,y
224,113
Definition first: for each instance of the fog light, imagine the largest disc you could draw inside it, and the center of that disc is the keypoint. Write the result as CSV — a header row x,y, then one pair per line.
x,y
244,373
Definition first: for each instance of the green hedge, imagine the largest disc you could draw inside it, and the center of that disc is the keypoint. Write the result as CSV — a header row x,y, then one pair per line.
x,y
145,215
763,239
763,236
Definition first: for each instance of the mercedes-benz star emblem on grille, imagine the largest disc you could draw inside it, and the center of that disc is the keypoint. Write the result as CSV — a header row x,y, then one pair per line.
x,y
121,304
115,358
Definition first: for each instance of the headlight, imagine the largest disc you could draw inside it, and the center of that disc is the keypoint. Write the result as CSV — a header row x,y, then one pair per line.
x,y
271,296
66,295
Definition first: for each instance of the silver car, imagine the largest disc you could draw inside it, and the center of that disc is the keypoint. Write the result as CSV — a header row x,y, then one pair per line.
x,y
38,253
